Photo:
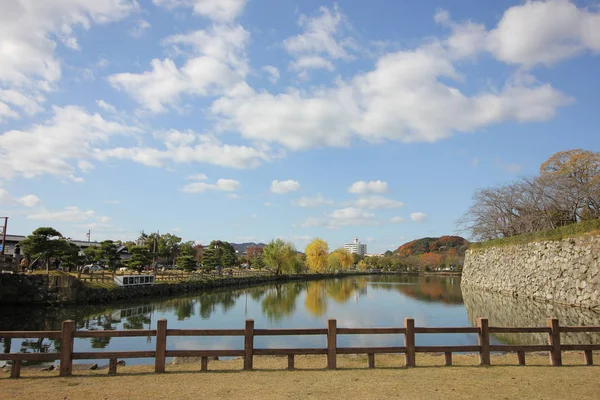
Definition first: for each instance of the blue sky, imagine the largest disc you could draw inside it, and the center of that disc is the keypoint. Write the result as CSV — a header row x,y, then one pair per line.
x,y
246,120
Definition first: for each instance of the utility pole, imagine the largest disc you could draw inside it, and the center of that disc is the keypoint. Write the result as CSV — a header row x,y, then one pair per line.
x,y
4,235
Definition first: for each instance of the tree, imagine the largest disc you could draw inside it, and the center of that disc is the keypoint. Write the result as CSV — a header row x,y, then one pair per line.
x,y
357,257
254,256
92,255
45,243
186,263
168,247
281,257
70,256
339,259
140,258
108,252
362,265
316,255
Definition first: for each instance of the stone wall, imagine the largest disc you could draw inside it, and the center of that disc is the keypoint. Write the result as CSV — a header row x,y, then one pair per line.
x,y
565,271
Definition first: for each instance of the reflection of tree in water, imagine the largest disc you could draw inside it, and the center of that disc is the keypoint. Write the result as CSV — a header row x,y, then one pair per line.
x,y
184,309
256,293
136,321
209,302
280,300
316,298
424,288
340,290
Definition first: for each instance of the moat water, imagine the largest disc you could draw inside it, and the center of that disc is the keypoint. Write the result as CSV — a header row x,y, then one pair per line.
x,y
362,301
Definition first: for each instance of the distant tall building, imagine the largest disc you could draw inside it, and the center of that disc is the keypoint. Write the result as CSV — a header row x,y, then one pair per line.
x,y
356,247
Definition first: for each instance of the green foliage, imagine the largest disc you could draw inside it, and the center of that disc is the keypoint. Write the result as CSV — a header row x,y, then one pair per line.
x,y
108,252
564,232
44,242
186,263
219,254
140,258
282,257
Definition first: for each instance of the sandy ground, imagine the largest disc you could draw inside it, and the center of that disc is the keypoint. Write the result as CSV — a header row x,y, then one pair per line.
x,y
310,380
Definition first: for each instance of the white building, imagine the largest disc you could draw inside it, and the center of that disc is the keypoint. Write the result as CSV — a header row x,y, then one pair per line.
x,y
356,247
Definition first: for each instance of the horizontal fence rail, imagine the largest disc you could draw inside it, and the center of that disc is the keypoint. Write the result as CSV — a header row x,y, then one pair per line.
x,y
409,331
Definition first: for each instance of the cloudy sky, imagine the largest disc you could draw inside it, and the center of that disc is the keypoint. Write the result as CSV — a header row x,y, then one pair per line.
x,y
254,119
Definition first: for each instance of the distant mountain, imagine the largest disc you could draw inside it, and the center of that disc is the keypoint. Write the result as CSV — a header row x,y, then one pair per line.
x,y
241,247
433,245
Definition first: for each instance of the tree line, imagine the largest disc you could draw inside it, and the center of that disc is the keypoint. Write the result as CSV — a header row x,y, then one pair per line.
x,y
566,191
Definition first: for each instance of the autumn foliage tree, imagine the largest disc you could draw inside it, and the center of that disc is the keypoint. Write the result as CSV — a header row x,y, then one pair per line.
x,y
566,191
339,259
316,255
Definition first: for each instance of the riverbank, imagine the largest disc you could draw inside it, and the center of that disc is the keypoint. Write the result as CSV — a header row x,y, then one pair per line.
x,y
68,290
430,380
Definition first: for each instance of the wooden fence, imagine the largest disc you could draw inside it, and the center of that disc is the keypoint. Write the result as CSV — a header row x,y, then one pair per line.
x,y
101,276
68,333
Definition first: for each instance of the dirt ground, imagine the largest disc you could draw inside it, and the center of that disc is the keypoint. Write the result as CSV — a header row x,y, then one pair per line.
x,y
310,380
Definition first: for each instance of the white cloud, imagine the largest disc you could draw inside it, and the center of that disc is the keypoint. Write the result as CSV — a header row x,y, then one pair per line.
x,y
226,185
281,187
52,147
315,201
350,216
190,147
29,200
397,220
412,95
217,63
418,217
70,214
537,32
362,187
197,177
9,99
106,106
272,72
267,204
140,28
373,202
475,162
218,10
28,33
321,41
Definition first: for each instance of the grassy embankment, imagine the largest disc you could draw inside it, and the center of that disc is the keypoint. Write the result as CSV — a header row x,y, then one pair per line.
x,y
591,227
352,380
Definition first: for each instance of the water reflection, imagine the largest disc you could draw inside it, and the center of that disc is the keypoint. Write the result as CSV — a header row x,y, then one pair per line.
x,y
425,288
510,311
353,301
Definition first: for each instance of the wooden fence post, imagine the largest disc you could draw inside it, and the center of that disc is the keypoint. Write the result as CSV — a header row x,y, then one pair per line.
x,y
484,341
112,366
448,358
15,369
161,345
66,348
521,357
371,357
290,361
248,344
554,341
204,363
331,343
589,357
409,342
